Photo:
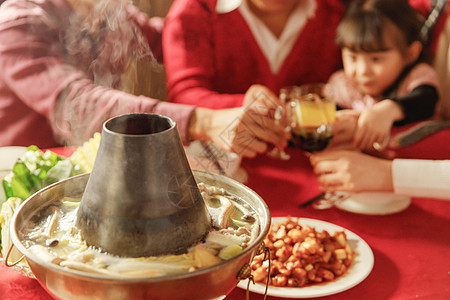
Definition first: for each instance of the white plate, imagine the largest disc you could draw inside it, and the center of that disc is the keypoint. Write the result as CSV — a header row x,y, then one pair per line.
x,y
361,267
374,203
8,157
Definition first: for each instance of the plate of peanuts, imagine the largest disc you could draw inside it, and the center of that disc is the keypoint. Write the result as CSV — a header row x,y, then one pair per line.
x,y
309,258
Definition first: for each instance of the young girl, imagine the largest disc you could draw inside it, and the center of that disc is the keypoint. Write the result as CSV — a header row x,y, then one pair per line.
x,y
384,76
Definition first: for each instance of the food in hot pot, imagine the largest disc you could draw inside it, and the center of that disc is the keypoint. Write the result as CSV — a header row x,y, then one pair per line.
x,y
33,171
302,256
52,235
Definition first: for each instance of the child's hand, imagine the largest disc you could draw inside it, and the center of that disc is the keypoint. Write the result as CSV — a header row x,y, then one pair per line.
x,y
374,125
371,127
344,129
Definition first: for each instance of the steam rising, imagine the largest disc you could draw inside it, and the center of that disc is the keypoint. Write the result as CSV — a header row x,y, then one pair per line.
x,y
103,45
109,38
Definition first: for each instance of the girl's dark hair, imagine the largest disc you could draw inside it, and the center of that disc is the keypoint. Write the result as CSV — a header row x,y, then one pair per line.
x,y
363,26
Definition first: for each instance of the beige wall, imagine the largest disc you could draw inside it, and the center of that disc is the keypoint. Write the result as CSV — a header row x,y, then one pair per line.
x,y
151,79
442,65
155,7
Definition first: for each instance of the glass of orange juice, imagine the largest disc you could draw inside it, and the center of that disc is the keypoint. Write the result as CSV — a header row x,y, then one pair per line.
x,y
312,111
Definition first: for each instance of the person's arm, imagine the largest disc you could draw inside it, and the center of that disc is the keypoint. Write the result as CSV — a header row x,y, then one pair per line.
x,y
245,130
374,124
189,59
33,68
418,105
77,107
83,107
352,171
422,178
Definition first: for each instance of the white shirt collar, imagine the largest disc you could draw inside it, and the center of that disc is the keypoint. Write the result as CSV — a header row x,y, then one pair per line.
x,y
277,49
225,6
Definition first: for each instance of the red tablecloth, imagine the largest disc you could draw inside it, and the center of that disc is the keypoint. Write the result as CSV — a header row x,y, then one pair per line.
x,y
411,248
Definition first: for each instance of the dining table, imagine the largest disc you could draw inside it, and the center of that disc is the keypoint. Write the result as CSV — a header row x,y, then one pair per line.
x,y
411,247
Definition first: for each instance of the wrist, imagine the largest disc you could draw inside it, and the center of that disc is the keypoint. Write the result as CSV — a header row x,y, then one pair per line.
x,y
197,128
392,110
389,181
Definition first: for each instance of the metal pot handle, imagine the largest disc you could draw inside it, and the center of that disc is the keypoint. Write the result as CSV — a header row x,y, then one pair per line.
x,y
7,255
245,272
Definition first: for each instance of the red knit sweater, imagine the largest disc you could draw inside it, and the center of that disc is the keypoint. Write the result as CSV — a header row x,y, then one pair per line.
x,y
212,59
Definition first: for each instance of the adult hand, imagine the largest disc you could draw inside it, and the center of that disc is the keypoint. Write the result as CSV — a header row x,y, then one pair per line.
x,y
259,100
245,130
351,171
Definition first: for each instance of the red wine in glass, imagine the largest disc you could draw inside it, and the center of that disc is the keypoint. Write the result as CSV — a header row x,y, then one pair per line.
x,y
312,139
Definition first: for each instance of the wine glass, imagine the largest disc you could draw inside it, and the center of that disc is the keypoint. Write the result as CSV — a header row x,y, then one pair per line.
x,y
312,112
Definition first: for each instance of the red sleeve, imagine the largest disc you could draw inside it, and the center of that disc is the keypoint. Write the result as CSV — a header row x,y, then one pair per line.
x,y
188,56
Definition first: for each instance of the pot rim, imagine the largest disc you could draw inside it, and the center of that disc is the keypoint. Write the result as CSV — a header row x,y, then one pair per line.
x,y
108,123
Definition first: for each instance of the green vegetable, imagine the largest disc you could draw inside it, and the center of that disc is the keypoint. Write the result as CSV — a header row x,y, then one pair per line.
x,y
62,170
29,173
230,251
32,172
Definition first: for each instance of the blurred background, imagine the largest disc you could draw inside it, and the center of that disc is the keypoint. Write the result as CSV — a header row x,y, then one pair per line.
x,y
155,86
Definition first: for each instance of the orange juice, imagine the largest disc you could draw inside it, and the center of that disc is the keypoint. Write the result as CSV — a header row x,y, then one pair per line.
x,y
313,113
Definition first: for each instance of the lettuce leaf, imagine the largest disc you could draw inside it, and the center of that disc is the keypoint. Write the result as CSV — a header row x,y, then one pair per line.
x,y
31,172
